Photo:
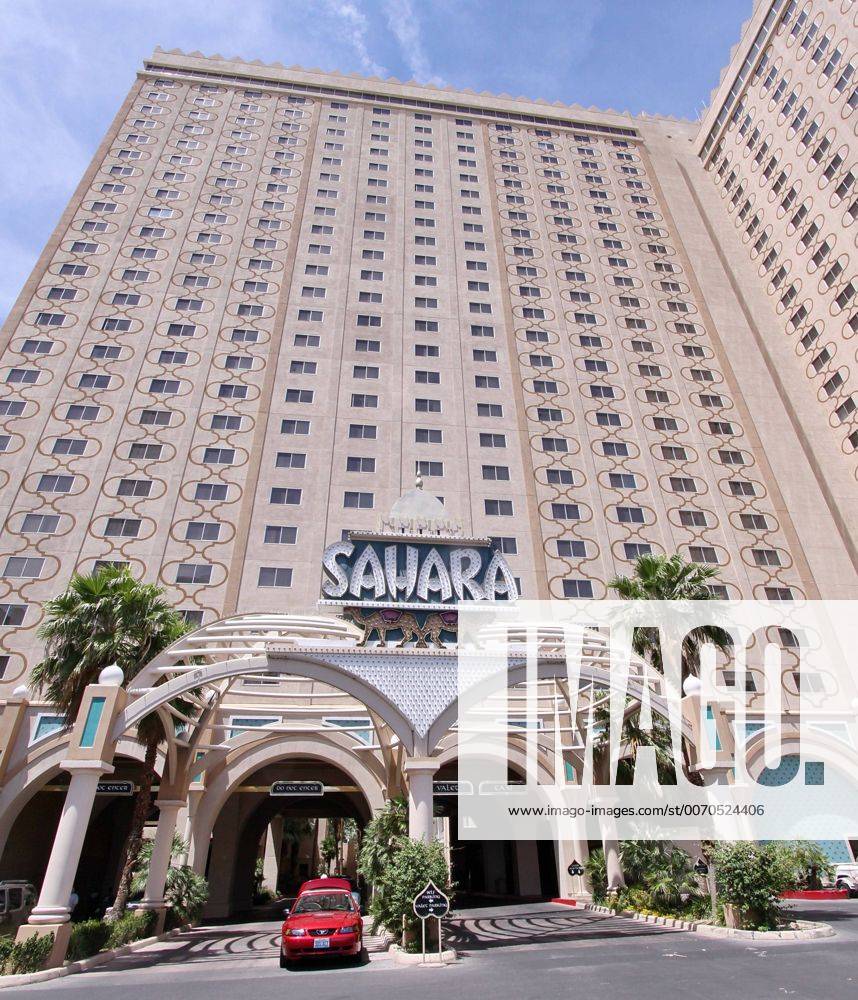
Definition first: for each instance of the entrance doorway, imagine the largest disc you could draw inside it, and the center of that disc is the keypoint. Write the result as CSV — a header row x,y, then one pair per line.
x,y
265,845
490,872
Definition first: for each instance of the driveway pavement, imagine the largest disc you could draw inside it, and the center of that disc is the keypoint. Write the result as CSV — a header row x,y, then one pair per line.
x,y
526,952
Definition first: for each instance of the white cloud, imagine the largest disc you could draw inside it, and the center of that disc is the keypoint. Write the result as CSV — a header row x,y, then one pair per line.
x,y
353,27
403,22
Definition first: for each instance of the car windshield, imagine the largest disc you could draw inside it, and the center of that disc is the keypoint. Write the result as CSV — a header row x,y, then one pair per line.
x,y
318,902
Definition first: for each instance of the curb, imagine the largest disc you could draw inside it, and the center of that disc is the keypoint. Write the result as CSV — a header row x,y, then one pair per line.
x,y
85,964
807,930
401,957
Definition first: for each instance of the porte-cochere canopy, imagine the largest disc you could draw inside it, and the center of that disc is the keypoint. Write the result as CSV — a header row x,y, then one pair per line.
x,y
412,691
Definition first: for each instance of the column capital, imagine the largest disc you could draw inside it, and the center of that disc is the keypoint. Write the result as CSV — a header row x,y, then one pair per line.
x,y
76,765
426,765
170,803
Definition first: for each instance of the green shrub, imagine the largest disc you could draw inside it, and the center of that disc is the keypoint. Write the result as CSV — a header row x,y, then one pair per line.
x,y
637,898
380,838
7,943
130,927
596,868
752,877
811,864
28,956
87,938
186,891
413,863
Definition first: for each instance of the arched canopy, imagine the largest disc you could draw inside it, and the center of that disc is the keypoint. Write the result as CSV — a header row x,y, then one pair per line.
x,y
412,692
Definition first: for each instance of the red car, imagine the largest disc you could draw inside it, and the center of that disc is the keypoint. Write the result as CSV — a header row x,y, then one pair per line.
x,y
324,921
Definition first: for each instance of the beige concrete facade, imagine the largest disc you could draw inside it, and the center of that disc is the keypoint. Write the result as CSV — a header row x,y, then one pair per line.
x,y
276,295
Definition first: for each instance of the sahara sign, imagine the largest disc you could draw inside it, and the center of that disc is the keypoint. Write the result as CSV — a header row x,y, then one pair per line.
x,y
396,573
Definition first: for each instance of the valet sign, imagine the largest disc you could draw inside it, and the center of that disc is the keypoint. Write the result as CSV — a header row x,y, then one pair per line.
x,y
422,574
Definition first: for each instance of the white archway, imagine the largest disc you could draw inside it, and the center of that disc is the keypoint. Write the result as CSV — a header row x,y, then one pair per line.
x,y
40,768
332,748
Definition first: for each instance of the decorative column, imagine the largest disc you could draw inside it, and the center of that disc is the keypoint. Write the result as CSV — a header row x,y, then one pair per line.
x,y
420,772
271,860
572,886
91,748
52,914
616,878
13,715
153,895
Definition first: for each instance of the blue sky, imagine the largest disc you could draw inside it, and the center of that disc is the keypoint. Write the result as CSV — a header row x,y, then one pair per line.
x,y
65,66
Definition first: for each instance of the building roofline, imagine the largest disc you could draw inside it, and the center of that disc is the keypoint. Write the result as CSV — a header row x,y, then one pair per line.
x,y
739,52
570,115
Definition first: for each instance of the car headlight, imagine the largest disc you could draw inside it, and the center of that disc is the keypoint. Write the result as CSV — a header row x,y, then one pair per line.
x,y
295,932
350,929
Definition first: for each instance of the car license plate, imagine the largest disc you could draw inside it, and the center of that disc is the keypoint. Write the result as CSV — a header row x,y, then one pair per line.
x,y
322,942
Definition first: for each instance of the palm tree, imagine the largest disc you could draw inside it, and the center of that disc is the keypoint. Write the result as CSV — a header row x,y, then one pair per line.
x,y
671,578
103,618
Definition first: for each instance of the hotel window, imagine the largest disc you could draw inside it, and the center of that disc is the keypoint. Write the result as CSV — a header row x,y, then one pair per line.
x,y
630,515
280,534
774,594
25,376
55,484
427,435
193,573
577,588
565,511
274,576
358,501
46,524
429,469
24,567
498,508
489,410
145,451
74,412
357,463
571,548
692,518
68,446
285,496
766,557
622,480
634,550
12,614
211,491
202,531
682,484
703,554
